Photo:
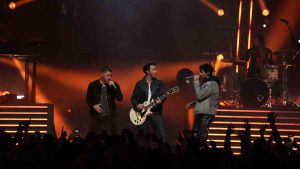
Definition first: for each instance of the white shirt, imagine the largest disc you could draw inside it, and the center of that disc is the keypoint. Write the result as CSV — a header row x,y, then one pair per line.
x,y
149,92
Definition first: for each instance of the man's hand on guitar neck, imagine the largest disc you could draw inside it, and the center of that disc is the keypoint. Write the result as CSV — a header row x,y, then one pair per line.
x,y
158,101
98,108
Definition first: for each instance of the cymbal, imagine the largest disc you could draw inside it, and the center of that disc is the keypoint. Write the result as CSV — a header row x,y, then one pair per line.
x,y
236,61
212,53
14,55
182,75
283,51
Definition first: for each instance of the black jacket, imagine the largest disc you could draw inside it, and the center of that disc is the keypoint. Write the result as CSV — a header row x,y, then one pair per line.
x,y
140,93
93,96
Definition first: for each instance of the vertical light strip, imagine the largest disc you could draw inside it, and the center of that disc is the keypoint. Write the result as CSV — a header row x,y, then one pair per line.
x,y
238,32
250,24
239,29
250,30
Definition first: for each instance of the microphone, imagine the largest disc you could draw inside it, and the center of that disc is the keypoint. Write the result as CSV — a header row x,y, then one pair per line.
x,y
284,21
111,84
189,77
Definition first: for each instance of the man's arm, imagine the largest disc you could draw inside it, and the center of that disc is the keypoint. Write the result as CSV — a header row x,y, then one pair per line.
x,y
89,96
205,91
135,96
117,91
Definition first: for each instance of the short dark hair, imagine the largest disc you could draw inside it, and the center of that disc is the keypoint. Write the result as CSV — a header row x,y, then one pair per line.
x,y
105,69
207,68
147,67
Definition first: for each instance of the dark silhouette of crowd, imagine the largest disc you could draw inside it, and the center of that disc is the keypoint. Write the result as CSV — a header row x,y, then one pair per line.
x,y
146,151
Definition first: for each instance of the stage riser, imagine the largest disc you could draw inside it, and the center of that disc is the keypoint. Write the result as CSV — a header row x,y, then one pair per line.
x,y
287,122
40,115
22,116
260,119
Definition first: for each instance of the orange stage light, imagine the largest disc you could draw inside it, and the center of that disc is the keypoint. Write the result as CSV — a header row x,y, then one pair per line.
x,y
40,95
12,5
263,8
220,12
265,12
220,57
217,10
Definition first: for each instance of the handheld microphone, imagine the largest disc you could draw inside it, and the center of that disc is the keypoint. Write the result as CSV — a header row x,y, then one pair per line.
x,y
111,84
190,77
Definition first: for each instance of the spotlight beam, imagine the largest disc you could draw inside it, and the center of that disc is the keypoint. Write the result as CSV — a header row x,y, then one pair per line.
x,y
213,7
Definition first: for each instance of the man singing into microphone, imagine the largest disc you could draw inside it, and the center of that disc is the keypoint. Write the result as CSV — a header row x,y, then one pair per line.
x,y
100,97
206,87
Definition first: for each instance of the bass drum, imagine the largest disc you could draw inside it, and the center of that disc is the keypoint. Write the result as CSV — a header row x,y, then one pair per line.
x,y
254,93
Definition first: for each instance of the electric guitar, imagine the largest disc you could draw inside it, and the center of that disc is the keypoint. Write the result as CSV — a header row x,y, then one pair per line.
x,y
138,117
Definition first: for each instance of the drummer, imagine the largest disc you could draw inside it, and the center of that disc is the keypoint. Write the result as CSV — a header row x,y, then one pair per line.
x,y
258,57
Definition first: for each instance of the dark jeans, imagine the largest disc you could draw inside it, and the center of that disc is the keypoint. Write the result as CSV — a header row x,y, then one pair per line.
x,y
98,125
156,121
201,125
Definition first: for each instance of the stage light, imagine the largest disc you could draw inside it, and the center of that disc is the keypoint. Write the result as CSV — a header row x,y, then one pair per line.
x,y
264,25
12,5
250,24
265,12
220,12
4,93
220,57
19,97
213,7
298,40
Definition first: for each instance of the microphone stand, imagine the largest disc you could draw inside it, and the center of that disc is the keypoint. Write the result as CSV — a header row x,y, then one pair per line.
x,y
296,50
294,41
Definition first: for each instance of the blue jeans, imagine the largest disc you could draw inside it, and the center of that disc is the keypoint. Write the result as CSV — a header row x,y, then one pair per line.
x,y
201,125
156,121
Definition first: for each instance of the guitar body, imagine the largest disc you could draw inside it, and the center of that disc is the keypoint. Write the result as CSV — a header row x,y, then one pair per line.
x,y
139,117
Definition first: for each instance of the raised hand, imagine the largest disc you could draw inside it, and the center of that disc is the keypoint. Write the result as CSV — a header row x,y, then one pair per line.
x,y
213,144
230,128
247,125
262,130
63,134
272,118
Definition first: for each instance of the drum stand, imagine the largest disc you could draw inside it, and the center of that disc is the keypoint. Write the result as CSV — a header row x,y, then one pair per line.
x,y
233,93
286,98
268,104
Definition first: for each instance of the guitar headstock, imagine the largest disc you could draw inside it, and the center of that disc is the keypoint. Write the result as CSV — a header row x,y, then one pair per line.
x,y
173,90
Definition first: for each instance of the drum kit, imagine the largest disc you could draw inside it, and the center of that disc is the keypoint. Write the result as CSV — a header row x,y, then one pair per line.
x,y
268,90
